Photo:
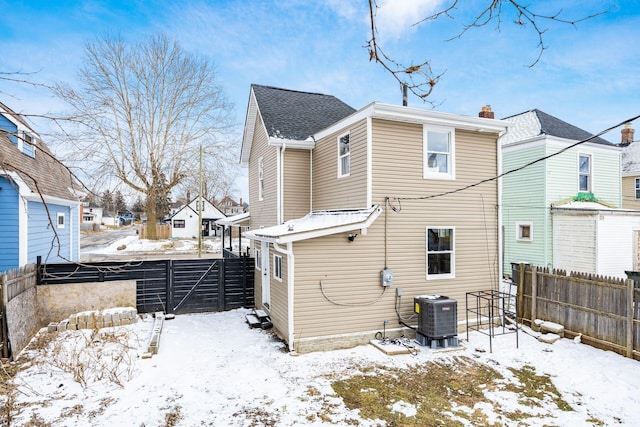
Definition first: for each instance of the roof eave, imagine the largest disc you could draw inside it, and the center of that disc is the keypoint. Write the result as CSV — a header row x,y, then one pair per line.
x,y
420,116
311,234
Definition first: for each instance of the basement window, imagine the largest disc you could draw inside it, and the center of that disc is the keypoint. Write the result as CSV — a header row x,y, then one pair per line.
x,y
524,231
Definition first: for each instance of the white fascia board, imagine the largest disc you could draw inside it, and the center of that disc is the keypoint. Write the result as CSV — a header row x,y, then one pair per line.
x,y
311,234
400,113
307,144
592,146
536,141
32,196
249,125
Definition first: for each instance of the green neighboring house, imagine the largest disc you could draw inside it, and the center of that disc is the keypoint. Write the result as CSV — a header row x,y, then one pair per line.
x,y
588,172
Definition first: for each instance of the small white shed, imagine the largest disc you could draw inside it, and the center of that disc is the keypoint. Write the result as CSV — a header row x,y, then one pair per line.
x,y
591,237
184,223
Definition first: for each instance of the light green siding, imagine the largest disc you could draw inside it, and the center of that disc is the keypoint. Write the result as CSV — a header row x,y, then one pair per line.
x,y
529,193
523,200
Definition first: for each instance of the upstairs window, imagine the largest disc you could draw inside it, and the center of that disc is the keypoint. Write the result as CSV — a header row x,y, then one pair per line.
x,y
28,145
637,188
438,151
585,173
344,156
260,178
179,223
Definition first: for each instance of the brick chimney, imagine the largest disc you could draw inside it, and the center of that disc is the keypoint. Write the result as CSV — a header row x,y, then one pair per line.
x,y
486,112
627,134
188,196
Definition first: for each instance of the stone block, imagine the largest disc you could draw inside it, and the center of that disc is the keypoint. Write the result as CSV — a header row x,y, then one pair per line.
x,y
115,316
62,326
549,338
107,317
73,319
554,328
52,327
125,322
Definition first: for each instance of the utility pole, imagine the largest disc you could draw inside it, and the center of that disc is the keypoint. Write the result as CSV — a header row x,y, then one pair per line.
x,y
200,208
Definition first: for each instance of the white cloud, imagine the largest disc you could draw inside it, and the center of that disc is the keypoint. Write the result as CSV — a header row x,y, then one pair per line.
x,y
395,18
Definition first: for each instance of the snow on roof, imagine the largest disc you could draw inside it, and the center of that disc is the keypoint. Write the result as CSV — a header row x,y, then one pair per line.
x,y
317,224
631,158
234,220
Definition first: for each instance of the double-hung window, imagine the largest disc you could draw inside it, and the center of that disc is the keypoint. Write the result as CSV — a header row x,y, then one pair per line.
x,y
260,178
438,152
637,188
344,156
585,173
440,253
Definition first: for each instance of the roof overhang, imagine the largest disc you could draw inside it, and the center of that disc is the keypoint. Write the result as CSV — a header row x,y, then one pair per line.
x,y
249,126
317,224
400,113
308,144
240,219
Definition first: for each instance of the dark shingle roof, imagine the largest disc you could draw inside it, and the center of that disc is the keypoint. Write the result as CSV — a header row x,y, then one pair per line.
x,y
553,126
43,173
295,115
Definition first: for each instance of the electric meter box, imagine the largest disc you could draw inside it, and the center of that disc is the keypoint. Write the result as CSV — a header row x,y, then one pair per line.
x,y
386,277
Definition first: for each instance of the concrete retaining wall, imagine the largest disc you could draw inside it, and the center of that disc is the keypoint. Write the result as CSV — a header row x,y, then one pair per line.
x,y
58,302
22,319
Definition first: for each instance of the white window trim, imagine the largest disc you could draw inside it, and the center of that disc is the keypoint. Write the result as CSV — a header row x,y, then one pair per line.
x,y
258,260
276,270
348,155
432,276
261,178
60,215
525,224
426,173
590,174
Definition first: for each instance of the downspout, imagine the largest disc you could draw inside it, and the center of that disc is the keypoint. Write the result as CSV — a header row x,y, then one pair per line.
x,y
278,186
369,163
500,232
284,148
290,290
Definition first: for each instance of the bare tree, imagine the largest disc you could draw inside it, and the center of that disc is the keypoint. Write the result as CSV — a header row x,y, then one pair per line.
x,y
218,178
419,77
143,111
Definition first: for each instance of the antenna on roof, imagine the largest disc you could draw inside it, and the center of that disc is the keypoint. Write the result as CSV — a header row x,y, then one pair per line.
x,y
404,94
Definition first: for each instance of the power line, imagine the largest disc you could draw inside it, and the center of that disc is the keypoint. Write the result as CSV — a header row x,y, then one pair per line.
x,y
457,190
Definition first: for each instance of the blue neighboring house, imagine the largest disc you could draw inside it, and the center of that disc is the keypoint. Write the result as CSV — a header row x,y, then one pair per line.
x,y
39,204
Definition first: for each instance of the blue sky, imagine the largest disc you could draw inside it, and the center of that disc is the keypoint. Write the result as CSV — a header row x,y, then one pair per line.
x,y
588,76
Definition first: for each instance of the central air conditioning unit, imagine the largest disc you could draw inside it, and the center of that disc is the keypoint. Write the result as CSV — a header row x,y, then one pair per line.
x,y
437,321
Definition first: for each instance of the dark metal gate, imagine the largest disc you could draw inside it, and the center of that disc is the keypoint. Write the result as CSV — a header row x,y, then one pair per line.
x,y
171,286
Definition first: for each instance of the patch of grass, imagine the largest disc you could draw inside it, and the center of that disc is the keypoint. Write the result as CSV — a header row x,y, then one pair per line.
x,y
444,393
535,389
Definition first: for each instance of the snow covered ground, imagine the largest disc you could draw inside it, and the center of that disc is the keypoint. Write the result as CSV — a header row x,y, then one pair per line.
x,y
213,370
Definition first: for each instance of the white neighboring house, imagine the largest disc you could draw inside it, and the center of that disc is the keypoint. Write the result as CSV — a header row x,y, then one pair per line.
x,y
595,238
184,223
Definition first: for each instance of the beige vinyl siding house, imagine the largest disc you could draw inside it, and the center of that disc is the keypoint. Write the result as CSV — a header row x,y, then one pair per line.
x,y
263,210
332,191
297,183
385,212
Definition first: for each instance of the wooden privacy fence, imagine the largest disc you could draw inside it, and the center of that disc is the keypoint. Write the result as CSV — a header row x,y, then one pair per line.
x,y
605,310
163,231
